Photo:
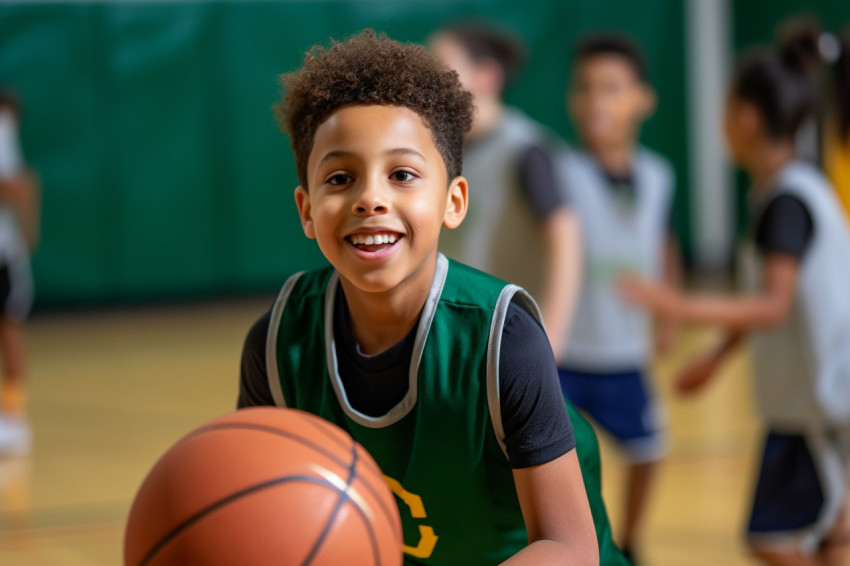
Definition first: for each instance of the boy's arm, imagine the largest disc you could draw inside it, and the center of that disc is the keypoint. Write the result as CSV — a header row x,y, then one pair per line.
x,y
700,372
22,192
562,235
672,276
557,515
253,381
561,232
766,309
540,444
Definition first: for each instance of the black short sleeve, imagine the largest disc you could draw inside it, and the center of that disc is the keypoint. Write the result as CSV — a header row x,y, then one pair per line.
x,y
253,381
785,226
539,181
534,416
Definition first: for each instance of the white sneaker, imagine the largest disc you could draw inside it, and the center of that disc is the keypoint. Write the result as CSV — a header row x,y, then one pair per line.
x,y
15,436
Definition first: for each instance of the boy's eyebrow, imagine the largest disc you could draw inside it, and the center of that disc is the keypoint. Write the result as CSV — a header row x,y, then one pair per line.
x,y
405,151
395,151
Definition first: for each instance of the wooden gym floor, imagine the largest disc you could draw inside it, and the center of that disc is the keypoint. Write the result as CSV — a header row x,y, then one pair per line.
x,y
111,391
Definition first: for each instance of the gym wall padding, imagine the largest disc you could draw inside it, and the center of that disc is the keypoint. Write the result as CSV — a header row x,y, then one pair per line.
x,y
164,173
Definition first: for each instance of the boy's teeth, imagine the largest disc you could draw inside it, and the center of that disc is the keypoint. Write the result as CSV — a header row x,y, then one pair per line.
x,y
373,239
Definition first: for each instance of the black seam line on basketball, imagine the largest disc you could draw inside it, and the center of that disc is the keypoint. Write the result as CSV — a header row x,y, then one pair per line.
x,y
173,533
343,497
328,433
249,426
336,459
388,515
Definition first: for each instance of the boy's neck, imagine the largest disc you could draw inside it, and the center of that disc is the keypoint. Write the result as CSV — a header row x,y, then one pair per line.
x,y
767,159
381,320
615,160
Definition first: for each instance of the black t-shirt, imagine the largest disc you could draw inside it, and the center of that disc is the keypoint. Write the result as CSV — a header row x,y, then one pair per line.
x,y
534,417
539,181
785,226
622,186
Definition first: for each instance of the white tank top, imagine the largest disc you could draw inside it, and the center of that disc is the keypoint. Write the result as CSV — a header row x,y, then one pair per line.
x,y
608,334
802,368
501,235
11,243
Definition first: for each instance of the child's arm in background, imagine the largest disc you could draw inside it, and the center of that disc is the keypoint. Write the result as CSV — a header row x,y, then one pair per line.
x,y
564,264
667,327
766,309
700,372
557,515
22,192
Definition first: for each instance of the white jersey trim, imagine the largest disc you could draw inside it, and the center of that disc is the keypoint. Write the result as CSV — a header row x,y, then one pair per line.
x,y
272,371
409,401
494,347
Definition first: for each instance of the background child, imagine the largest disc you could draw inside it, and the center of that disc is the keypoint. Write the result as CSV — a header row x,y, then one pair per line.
x,y
444,374
623,194
520,227
796,268
19,227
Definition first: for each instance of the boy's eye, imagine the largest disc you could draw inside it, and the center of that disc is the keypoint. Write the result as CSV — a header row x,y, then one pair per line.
x,y
402,176
339,179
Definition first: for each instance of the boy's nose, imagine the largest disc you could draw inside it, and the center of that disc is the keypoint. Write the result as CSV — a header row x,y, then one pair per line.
x,y
371,201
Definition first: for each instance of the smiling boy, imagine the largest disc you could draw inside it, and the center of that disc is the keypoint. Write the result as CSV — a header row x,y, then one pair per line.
x,y
423,360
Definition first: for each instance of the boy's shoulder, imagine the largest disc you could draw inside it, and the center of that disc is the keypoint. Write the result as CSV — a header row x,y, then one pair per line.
x,y
645,156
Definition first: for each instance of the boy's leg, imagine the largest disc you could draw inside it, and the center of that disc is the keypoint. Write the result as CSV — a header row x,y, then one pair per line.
x,y
639,480
587,448
791,557
833,550
13,346
640,430
799,498
15,299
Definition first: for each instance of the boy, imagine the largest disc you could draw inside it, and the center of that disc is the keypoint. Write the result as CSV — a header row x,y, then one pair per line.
x,y
520,228
622,193
424,361
19,227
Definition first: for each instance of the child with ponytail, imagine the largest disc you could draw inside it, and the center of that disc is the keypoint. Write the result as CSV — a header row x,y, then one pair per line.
x,y
796,268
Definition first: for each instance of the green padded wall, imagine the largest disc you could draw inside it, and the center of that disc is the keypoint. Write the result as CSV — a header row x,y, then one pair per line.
x,y
164,173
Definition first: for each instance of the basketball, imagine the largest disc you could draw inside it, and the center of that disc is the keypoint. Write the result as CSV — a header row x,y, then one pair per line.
x,y
264,486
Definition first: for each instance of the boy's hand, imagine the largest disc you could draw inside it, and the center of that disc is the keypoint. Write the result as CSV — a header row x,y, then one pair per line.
x,y
665,336
696,375
658,298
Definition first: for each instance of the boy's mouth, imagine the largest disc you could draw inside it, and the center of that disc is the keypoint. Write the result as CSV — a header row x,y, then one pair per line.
x,y
373,242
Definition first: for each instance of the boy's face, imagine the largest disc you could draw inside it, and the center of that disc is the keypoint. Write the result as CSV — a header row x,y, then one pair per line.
x,y
483,79
607,101
377,196
741,123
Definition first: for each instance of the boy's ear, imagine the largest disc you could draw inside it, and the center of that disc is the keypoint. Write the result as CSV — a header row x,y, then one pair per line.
x,y
302,201
458,201
648,102
748,117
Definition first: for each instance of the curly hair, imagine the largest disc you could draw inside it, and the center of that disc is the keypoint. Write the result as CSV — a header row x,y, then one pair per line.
x,y
370,68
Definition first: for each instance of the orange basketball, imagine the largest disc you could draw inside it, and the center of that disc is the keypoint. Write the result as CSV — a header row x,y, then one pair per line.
x,y
264,486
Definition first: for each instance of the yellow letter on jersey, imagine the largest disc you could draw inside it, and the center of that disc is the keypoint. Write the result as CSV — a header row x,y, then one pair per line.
x,y
427,538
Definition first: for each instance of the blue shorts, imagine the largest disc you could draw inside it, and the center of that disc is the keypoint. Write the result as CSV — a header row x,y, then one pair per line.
x,y
622,405
800,491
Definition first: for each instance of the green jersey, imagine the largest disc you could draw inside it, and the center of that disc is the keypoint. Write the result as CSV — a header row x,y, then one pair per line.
x,y
441,447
